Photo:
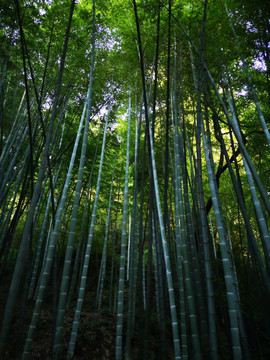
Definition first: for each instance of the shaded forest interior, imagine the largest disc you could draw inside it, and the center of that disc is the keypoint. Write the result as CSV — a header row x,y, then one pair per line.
x,y
134,179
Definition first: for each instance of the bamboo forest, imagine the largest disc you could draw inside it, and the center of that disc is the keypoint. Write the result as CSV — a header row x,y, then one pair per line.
x,y
135,179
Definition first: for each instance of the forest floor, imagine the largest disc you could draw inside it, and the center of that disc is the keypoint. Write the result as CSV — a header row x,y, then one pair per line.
x,y
96,334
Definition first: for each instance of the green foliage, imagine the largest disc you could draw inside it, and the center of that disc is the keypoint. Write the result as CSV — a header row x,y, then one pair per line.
x,y
117,72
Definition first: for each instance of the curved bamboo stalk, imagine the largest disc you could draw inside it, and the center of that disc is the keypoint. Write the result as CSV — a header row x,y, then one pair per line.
x,y
120,303
104,251
134,245
20,262
235,338
249,79
71,235
176,340
75,324
51,246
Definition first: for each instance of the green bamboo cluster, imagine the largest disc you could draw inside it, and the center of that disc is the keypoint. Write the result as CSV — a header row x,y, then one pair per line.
x,y
166,226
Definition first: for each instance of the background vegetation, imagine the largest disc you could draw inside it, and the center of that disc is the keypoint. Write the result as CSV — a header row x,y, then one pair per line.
x,y
134,179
